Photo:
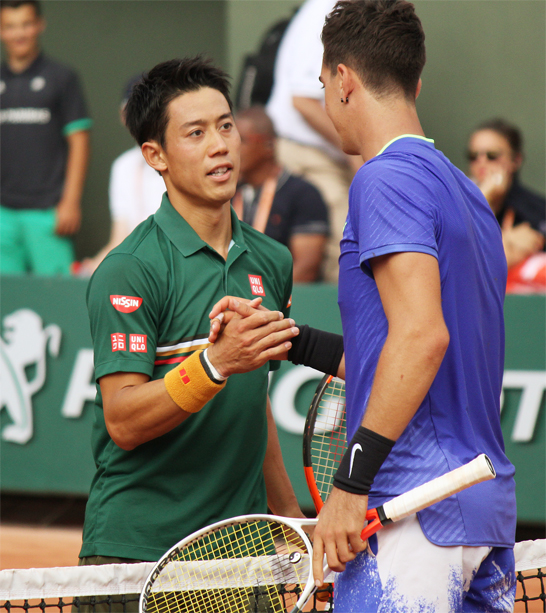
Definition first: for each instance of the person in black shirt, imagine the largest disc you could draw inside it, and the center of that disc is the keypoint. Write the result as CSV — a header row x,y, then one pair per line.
x,y
495,154
283,206
44,148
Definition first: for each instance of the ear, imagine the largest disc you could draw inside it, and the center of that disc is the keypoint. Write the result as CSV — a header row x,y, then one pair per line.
x,y
346,78
517,161
418,90
153,154
43,25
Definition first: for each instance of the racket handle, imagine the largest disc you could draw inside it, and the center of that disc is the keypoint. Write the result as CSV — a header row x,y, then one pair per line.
x,y
478,470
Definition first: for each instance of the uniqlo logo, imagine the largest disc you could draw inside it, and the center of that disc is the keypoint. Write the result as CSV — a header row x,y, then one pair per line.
x,y
138,343
118,342
256,285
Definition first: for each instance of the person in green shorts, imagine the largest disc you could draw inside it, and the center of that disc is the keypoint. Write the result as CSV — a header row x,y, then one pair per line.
x,y
44,148
183,433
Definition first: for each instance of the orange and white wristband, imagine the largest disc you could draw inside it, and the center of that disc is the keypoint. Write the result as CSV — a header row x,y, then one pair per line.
x,y
193,383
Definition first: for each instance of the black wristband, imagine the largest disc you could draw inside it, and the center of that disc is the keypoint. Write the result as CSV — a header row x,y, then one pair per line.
x,y
318,349
364,456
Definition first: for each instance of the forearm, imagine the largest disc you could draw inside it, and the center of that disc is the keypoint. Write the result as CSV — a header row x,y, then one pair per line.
x,y
307,252
76,166
139,411
312,110
281,498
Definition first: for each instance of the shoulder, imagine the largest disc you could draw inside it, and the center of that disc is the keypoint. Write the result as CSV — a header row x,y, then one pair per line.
x,y
59,70
297,185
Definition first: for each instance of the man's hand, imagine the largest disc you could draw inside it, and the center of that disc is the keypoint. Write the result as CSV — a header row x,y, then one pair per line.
x,y
222,313
67,217
519,241
250,339
337,534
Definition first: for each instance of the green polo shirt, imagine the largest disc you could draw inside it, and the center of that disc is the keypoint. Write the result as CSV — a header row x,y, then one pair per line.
x,y
148,304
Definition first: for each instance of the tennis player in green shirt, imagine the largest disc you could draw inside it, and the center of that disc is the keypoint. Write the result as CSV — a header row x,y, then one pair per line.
x,y
183,432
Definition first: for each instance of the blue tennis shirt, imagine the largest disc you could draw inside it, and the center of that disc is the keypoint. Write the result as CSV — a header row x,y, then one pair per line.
x,y
411,198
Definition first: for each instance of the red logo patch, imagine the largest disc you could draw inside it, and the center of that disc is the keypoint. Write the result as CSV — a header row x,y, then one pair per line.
x,y
125,304
185,379
118,341
138,343
256,285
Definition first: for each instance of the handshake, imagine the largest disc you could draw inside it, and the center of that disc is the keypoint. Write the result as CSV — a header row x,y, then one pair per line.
x,y
245,335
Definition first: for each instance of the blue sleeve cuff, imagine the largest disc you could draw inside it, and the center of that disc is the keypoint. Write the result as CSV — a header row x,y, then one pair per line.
x,y
386,249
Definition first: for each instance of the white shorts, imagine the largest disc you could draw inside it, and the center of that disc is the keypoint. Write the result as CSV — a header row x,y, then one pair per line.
x,y
409,574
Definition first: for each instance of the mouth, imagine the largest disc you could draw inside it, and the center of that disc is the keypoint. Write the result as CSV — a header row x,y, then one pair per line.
x,y
221,172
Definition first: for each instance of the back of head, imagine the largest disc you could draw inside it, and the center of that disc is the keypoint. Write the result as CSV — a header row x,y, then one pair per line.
x,y
508,130
146,112
257,117
381,40
15,4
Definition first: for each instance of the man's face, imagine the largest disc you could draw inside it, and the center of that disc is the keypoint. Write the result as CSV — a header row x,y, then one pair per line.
x,y
490,153
202,147
20,30
255,148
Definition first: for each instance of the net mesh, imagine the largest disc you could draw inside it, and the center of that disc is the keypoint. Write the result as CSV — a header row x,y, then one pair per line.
x,y
116,587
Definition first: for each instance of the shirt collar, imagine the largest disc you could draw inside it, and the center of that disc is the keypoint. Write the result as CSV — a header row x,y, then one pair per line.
x,y
184,237
428,140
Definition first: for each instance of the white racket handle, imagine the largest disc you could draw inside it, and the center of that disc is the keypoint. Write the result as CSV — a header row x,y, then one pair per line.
x,y
478,470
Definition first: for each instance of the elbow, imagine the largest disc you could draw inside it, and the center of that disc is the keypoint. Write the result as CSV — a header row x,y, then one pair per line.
x,y
121,435
438,342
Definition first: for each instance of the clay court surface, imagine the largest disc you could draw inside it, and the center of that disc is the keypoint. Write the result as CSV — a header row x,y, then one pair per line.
x,y
38,547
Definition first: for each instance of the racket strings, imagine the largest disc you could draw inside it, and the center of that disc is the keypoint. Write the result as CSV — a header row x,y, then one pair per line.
x,y
257,566
328,441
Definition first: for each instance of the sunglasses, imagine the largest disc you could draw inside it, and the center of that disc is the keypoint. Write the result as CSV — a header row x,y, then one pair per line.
x,y
491,155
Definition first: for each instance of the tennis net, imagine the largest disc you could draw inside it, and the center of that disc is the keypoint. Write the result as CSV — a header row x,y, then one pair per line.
x,y
116,587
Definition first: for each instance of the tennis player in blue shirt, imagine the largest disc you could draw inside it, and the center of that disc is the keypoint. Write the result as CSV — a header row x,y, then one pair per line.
x,y
421,290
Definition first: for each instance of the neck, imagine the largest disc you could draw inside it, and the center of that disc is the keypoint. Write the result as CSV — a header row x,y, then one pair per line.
x,y
212,223
20,64
257,176
380,121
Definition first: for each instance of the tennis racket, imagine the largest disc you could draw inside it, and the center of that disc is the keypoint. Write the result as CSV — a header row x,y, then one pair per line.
x,y
324,438
263,562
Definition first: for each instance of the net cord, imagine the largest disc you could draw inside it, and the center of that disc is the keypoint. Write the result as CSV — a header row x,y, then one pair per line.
x,y
113,579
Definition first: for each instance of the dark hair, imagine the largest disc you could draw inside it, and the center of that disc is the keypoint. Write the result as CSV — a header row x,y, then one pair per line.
x,y
146,112
15,4
381,40
508,130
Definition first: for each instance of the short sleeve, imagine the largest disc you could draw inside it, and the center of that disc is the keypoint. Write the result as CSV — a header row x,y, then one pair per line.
x,y
390,212
121,190
123,304
74,114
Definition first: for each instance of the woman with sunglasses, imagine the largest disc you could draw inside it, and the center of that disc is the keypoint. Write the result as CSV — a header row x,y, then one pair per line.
x,y
495,155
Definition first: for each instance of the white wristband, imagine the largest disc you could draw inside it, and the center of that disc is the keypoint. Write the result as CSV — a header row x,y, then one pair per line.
x,y
213,370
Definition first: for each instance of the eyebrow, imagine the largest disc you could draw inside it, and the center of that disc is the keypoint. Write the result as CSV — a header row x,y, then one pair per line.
x,y
200,122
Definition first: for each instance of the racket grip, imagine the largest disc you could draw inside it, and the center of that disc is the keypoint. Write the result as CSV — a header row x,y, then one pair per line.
x,y
478,470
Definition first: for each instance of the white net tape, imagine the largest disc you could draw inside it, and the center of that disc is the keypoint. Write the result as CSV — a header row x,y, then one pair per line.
x,y
113,579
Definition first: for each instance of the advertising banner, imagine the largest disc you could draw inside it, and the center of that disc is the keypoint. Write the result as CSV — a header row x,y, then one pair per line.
x,y
47,389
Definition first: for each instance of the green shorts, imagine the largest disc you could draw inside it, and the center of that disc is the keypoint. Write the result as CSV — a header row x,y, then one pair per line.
x,y
28,243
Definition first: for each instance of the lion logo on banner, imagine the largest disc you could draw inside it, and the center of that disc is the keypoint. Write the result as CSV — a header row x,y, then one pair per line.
x,y
25,343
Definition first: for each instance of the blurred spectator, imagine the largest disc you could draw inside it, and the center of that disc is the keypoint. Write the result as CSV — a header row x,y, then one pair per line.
x,y
495,154
44,148
283,206
308,143
135,193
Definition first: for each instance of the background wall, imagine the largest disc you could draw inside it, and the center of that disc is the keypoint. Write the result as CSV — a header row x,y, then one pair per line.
x,y
485,58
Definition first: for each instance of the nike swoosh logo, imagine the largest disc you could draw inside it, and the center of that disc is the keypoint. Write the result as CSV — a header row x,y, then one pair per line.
x,y
355,448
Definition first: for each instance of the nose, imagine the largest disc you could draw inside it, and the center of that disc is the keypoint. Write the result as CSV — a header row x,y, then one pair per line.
x,y
218,144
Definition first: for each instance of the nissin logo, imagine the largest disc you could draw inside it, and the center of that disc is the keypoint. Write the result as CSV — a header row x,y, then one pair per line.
x,y
125,304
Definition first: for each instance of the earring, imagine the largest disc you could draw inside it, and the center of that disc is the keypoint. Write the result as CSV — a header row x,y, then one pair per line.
x,y
342,101
347,99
